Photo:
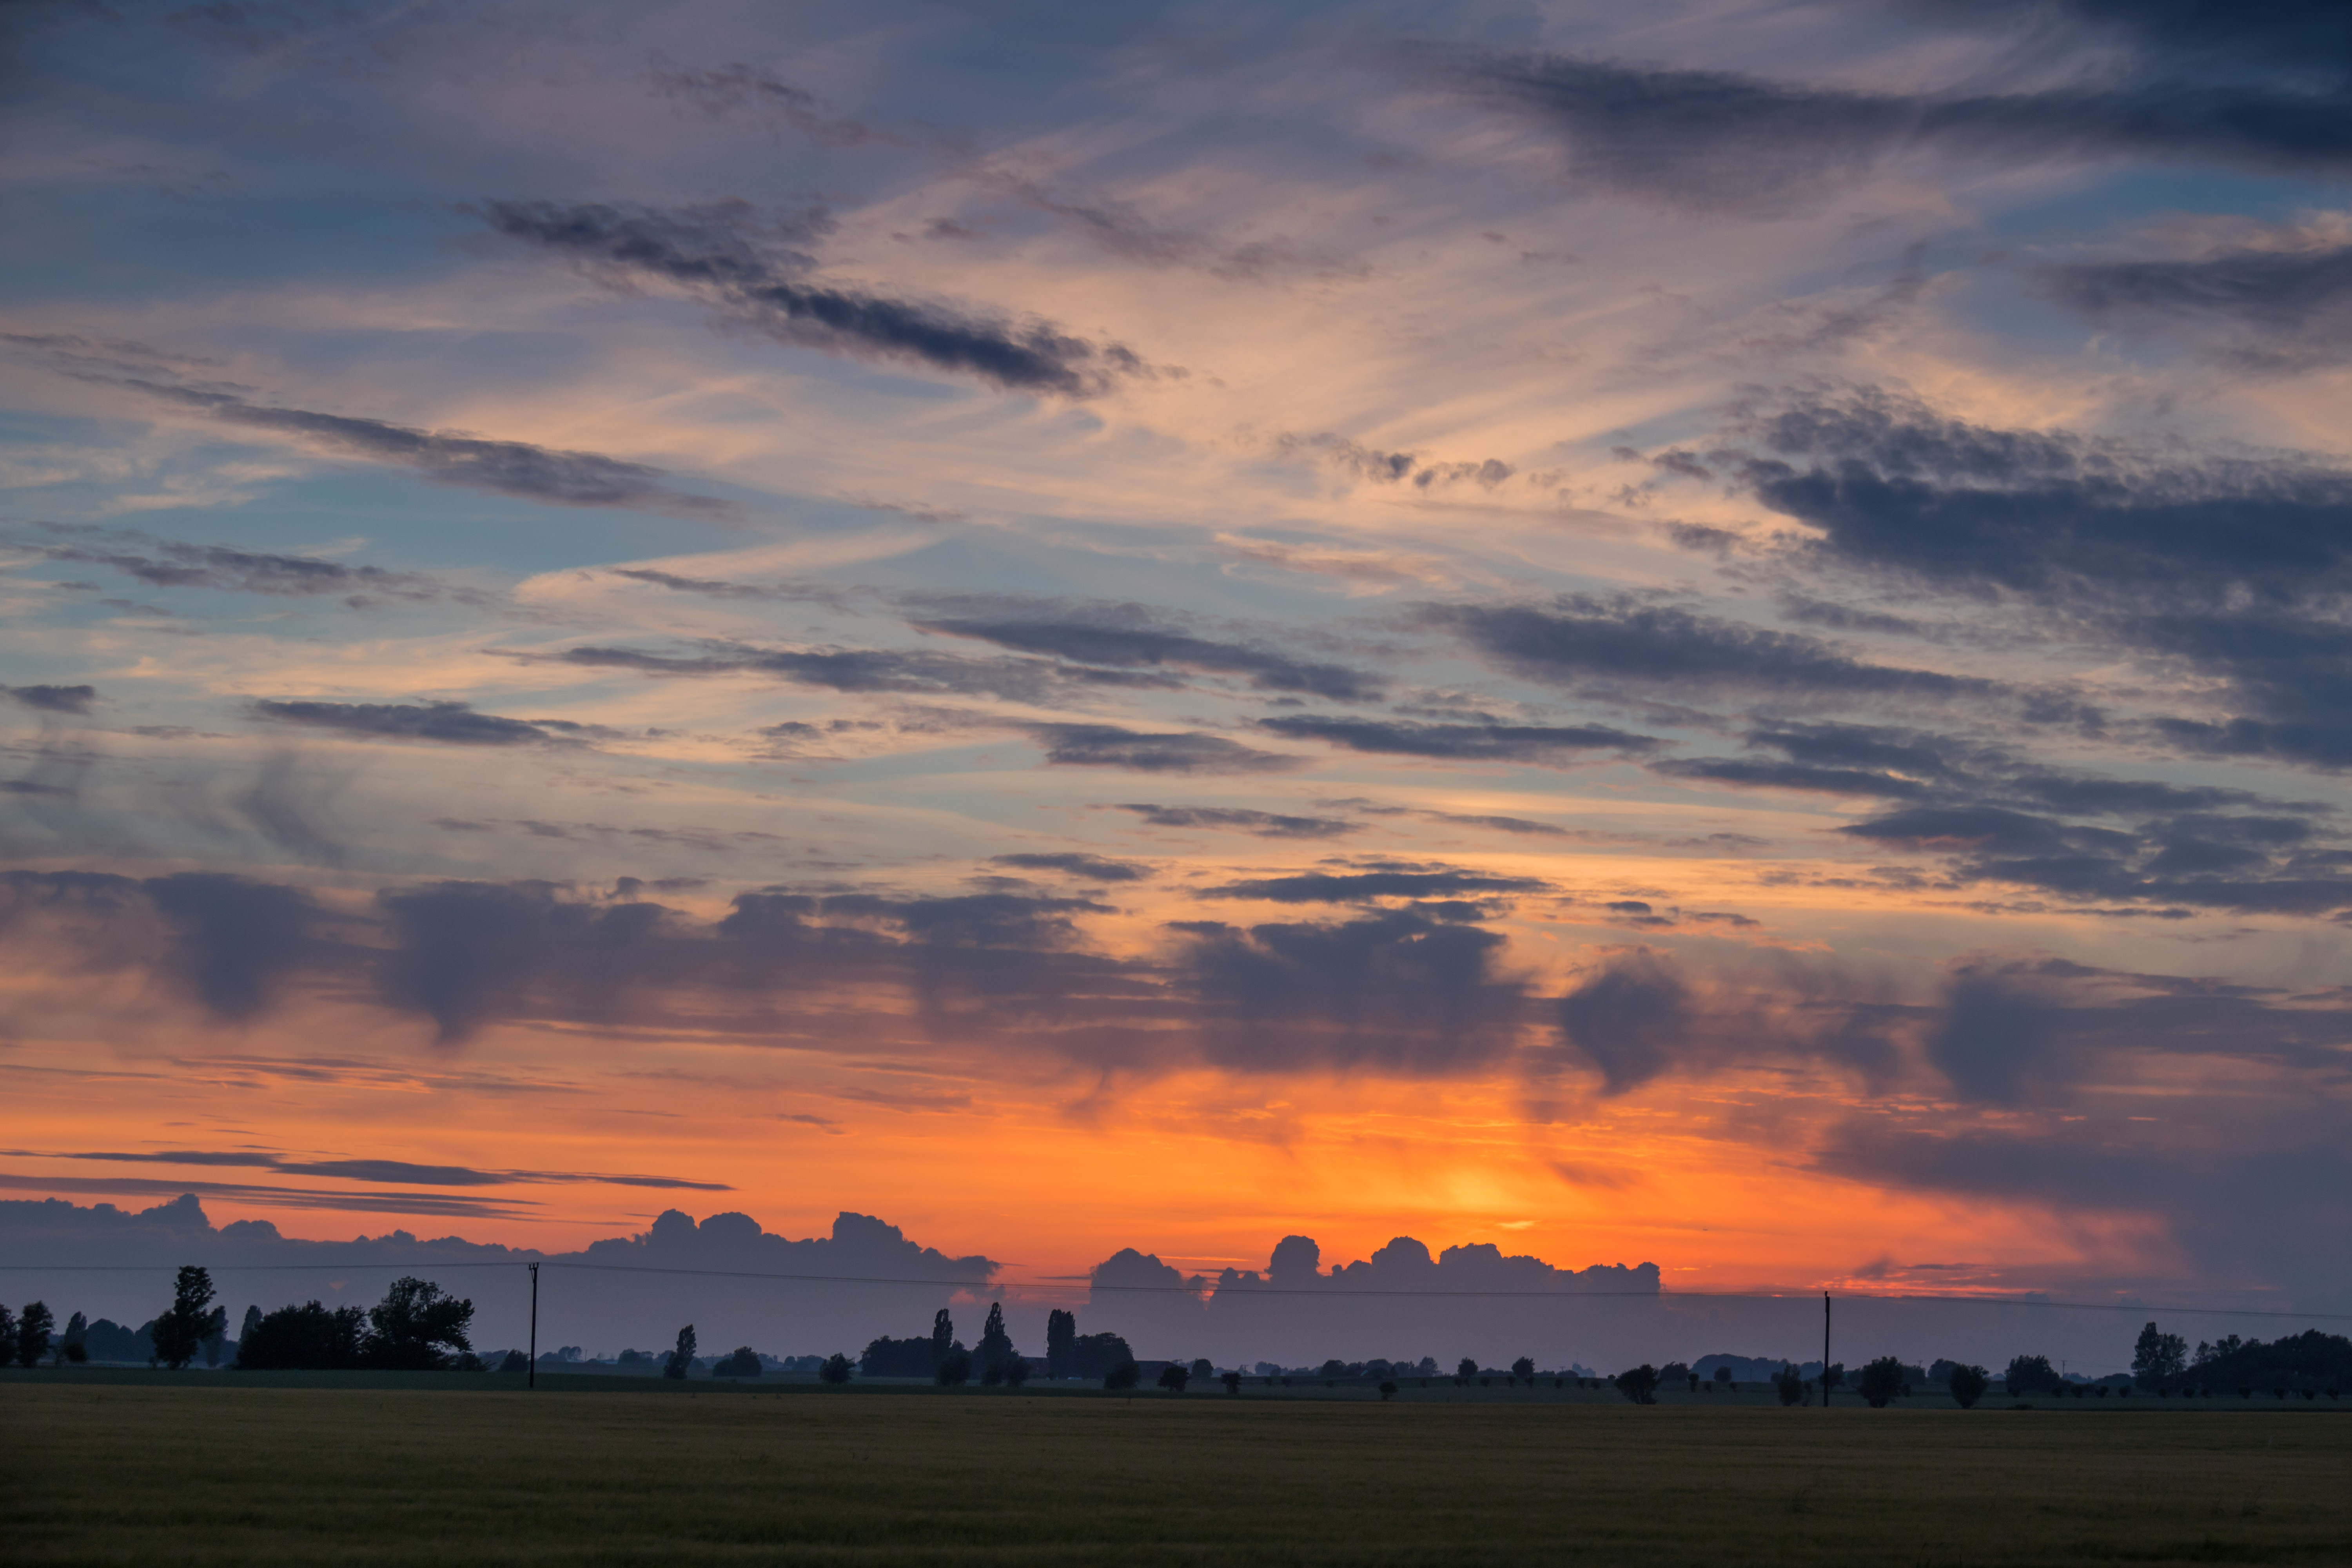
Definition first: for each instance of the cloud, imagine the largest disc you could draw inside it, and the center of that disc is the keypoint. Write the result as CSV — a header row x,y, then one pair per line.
x,y
1360,886
1135,636
2235,565
2263,309
1395,468
1396,991
171,563
545,474
1093,868
1465,742
230,944
1045,682
1723,139
52,698
392,1172
1584,640
1242,819
1108,746
1632,1021
445,1205
734,86
1120,230
753,272
452,723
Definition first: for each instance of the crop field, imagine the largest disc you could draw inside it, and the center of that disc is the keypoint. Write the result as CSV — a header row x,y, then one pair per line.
x,y
138,1468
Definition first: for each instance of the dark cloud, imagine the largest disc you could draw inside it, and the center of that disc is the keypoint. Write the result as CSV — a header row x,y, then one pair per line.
x,y
1394,990
1631,1022
1467,742
521,469
1586,641
52,698
170,563
452,723
1718,139
710,588
442,1204
735,86
1361,887
1396,467
1135,636
229,944
2233,567
1242,819
390,1172
1046,682
1108,746
754,272
2267,308
1094,868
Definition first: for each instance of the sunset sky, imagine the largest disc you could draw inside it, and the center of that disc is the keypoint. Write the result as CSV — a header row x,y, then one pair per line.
x,y
1706,633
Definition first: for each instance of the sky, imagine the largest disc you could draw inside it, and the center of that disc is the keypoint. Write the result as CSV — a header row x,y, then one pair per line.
x,y
1711,635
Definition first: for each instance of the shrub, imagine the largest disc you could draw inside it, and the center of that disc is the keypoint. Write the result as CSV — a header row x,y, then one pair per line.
x,y
1174,1377
1968,1384
1789,1385
1233,1381
954,1369
837,1369
1640,1384
1388,1389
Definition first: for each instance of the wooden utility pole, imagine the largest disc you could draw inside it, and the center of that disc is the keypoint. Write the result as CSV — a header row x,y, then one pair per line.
x,y
533,1371
1825,1344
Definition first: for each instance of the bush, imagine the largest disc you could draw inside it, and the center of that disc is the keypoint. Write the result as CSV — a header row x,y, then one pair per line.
x,y
1174,1377
1968,1384
1387,1388
835,1370
1881,1381
1789,1385
744,1363
1233,1381
954,1369
1640,1384
1016,1370
1127,1374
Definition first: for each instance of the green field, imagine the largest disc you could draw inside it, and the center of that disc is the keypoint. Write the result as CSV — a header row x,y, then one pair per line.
x,y
217,1469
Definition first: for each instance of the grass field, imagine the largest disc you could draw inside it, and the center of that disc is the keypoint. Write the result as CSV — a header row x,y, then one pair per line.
x,y
149,1468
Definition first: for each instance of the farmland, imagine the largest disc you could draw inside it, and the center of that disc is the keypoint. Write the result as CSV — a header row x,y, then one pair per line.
x,y
134,1467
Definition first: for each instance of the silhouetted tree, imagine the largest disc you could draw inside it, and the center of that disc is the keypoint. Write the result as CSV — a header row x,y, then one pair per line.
x,y
994,1352
75,1347
1016,1372
954,1369
181,1330
2030,1375
513,1361
1467,1367
1640,1384
1788,1384
681,1360
1233,1381
32,1330
419,1327
1968,1384
305,1338
1201,1370
7,1334
2157,1359
1832,1376
1525,1367
1173,1377
835,1370
943,1340
1125,1375
1061,1330
252,1320
744,1363
1387,1388
1881,1381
